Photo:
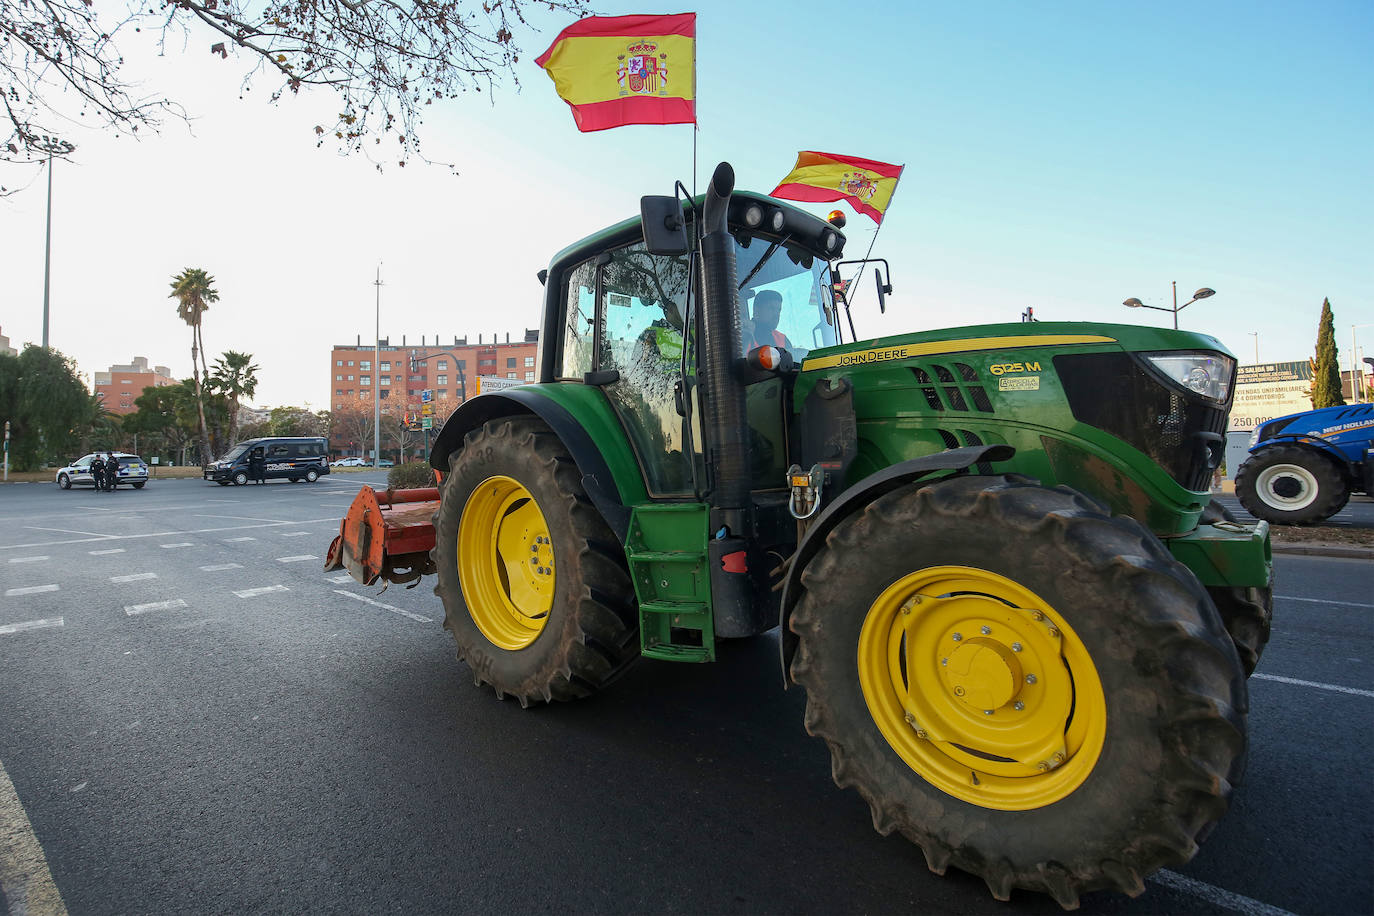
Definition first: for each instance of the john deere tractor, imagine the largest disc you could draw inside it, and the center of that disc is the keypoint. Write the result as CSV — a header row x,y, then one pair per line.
x,y
1023,629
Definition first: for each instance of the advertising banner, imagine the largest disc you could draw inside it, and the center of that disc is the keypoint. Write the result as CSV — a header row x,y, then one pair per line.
x,y
1270,390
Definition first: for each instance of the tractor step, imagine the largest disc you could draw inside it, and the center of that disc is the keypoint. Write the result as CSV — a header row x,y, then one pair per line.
x,y
667,555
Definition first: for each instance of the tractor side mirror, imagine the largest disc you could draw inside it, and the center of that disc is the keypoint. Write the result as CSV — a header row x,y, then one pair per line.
x,y
883,289
665,230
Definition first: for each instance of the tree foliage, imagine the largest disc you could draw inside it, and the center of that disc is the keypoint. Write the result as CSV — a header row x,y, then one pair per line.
x,y
386,59
47,405
235,375
194,290
298,421
1326,369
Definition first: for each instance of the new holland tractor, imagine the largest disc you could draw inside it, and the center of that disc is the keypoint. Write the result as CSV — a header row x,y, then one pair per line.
x,y
1023,629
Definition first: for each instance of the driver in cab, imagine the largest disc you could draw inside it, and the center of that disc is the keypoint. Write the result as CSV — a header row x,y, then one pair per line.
x,y
762,330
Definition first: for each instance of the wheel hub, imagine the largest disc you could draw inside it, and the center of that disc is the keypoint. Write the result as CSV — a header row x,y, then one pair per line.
x,y
506,562
983,674
981,688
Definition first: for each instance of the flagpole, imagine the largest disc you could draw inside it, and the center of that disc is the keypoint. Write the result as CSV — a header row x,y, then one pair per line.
x,y
873,241
696,112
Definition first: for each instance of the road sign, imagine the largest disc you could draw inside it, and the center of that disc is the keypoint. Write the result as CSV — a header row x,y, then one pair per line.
x,y
427,395
427,423
426,410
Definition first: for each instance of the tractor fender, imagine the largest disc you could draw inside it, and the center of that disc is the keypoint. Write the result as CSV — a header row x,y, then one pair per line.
x,y
854,499
597,478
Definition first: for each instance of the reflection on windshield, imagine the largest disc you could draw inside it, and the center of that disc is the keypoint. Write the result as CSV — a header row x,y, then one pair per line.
x,y
234,452
786,302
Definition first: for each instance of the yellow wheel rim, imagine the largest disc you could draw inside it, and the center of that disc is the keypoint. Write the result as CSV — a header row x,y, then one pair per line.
x,y
982,688
505,563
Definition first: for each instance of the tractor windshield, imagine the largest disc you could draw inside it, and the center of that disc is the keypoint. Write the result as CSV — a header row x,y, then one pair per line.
x,y
786,300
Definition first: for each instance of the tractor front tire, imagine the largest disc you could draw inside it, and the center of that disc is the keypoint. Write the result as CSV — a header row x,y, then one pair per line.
x,y
1291,485
1027,688
534,584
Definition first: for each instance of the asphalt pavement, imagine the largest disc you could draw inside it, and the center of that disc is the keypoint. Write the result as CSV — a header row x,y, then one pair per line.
x,y
195,718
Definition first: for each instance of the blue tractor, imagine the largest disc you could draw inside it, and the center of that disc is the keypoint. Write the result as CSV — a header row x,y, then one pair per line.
x,y
1302,468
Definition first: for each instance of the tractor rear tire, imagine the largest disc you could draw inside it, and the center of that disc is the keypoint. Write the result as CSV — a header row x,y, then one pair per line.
x,y
535,587
1291,485
1247,611
1027,688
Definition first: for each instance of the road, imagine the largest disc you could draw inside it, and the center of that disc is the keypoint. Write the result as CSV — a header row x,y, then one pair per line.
x,y
196,719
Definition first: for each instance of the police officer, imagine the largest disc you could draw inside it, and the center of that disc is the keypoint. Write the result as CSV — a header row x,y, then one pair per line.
x,y
257,465
111,472
98,471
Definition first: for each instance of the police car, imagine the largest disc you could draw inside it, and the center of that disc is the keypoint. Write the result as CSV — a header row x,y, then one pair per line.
x,y
292,458
133,471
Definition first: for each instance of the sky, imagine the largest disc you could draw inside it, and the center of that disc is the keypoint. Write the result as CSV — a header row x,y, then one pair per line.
x,y
1059,156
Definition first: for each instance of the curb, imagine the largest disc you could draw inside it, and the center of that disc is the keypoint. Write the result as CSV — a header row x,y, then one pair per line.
x,y
1325,550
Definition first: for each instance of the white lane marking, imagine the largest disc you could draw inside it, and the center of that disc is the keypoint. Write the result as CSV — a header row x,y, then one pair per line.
x,y
297,559
286,534
133,577
245,518
132,609
180,544
237,540
39,559
29,625
333,520
101,553
24,869
1216,895
254,592
70,531
129,518
1353,691
345,577
386,607
220,567
1320,601
30,590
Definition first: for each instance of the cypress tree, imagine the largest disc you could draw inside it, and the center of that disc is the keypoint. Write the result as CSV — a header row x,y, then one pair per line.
x,y
1326,370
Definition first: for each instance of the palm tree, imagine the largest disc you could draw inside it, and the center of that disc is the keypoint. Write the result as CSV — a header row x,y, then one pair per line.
x,y
236,376
194,290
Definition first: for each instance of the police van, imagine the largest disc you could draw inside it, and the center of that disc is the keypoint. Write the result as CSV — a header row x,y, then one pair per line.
x,y
290,458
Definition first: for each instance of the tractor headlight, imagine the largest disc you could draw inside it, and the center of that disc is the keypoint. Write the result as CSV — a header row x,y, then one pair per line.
x,y
1208,375
753,216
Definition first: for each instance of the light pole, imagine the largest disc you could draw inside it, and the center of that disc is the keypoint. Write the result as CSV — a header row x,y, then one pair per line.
x,y
1203,293
1356,378
51,146
377,378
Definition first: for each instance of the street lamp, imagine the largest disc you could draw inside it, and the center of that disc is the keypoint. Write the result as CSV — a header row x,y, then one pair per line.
x,y
52,146
1356,378
377,378
1200,294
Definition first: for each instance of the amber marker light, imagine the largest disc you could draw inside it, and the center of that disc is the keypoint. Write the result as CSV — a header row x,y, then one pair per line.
x,y
836,219
765,358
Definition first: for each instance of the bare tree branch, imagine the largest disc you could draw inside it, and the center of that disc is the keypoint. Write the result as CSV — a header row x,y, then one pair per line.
x,y
387,59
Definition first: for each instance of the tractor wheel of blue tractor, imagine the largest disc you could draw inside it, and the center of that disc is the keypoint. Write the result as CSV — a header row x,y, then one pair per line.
x,y
1031,690
536,593
1291,485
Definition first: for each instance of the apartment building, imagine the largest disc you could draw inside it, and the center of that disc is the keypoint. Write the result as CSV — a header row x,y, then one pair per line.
x,y
447,369
119,386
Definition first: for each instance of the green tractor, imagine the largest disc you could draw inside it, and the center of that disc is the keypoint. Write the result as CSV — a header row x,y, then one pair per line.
x,y
1023,628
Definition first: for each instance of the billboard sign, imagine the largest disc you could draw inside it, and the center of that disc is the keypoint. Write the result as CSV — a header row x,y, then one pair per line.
x,y
1270,390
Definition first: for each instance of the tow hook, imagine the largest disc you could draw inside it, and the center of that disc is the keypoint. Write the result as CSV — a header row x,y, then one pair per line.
x,y
805,499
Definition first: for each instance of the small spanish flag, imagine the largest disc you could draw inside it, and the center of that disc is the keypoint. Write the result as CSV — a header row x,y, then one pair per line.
x,y
617,70
866,184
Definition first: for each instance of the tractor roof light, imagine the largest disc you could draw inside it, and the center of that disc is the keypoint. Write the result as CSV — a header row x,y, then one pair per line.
x,y
753,216
776,219
836,218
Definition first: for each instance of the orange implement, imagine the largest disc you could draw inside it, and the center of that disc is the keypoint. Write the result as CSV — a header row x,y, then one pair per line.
x,y
386,534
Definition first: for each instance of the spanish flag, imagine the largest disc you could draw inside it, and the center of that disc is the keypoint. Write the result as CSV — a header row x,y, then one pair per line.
x,y
866,184
617,70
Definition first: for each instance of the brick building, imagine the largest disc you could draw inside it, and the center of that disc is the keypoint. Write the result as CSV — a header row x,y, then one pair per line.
x,y
447,369
120,385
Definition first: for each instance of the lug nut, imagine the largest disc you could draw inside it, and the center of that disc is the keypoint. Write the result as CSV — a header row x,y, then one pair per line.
x,y
958,691
1016,647
944,662
1058,757
910,719
987,712
1054,631
1042,766
957,637
921,733
1037,615
1018,706
1030,679
985,630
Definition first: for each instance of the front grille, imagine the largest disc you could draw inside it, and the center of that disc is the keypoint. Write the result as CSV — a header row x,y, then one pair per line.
x,y
1183,433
